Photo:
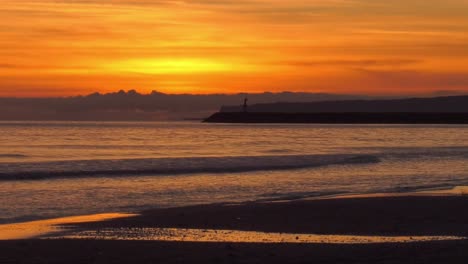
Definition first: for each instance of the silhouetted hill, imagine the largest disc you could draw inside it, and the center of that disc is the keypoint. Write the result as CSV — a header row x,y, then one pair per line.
x,y
449,104
339,118
133,106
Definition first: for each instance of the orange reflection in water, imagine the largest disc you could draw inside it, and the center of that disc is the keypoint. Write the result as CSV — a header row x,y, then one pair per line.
x,y
458,190
234,236
41,227
455,191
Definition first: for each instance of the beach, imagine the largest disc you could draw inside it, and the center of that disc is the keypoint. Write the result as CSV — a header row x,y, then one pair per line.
x,y
424,214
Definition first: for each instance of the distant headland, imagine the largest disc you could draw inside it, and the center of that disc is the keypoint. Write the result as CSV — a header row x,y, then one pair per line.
x,y
339,118
439,110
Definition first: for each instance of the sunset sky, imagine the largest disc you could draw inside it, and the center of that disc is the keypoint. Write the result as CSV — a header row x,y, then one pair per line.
x,y
71,47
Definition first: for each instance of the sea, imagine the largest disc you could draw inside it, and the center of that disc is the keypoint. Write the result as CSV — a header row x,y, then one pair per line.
x,y
55,169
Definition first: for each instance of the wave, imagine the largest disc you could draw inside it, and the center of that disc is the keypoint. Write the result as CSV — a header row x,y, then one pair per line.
x,y
13,156
171,166
416,152
425,154
290,196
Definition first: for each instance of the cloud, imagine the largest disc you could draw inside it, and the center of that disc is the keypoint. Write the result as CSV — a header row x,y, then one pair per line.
x,y
418,79
297,44
8,66
450,92
352,63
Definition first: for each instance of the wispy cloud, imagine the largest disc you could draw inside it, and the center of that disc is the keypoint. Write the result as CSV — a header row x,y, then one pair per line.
x,y
256,44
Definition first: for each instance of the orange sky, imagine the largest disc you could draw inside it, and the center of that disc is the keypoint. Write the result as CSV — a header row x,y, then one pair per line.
x,y
69,47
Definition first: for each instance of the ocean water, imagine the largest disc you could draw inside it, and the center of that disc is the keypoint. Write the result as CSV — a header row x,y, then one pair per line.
x,y
54,169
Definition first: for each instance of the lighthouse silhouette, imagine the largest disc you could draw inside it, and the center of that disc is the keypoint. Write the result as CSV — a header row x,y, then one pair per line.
x,y
244,107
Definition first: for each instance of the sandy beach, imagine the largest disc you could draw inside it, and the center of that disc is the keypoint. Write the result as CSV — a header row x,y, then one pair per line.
x,y
386,216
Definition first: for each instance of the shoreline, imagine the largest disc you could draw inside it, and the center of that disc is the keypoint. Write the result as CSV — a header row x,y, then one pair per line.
x,y
376,214
38,228
429,191
389,217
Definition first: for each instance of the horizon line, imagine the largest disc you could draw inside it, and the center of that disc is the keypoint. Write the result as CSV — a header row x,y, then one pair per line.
x,y
442,93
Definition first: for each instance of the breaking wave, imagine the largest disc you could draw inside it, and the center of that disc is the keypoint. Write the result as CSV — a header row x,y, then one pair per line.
x,y
17,156
172,166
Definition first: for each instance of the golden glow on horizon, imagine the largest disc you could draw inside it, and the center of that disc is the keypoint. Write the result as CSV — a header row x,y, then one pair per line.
x,y
168,66
59,47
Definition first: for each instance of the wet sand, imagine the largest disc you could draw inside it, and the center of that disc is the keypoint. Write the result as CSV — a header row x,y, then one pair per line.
x,y
388,215
50,226
420,215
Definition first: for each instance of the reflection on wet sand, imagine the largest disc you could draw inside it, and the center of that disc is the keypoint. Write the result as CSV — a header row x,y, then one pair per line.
x,y
38,228
234,236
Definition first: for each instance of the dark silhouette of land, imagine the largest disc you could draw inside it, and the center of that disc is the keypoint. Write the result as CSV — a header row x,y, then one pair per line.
x,y
448,104
134,106
439,110
339,118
